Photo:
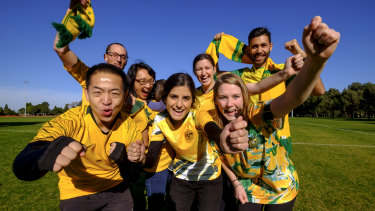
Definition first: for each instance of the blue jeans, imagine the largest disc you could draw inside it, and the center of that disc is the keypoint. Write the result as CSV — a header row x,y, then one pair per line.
x,y
156,187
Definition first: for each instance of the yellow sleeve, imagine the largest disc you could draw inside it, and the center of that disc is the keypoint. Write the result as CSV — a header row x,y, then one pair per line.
x,y
78,71
63,125
202,118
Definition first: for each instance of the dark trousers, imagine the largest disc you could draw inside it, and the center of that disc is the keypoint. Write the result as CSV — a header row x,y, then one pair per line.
x,y
266,207
228,201
116,198
156,188
208,194
137,190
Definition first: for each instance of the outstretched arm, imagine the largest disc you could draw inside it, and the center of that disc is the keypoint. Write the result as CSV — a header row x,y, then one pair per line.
x,y
68,57
319,42
42,156
295,49
275,79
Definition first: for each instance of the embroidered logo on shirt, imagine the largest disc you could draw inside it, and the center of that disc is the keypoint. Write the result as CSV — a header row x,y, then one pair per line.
x,y
189,135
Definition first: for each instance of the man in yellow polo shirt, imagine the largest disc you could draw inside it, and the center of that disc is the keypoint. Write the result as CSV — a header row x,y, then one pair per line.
x,y
86,146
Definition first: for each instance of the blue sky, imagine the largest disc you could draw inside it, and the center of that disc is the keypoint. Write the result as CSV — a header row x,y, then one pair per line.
x,y
167,35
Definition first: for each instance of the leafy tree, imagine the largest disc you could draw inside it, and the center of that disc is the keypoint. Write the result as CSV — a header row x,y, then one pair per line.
x,y
30,108
44,108
8,111
369,99
355,86
66,107
57,110
351,102
21,111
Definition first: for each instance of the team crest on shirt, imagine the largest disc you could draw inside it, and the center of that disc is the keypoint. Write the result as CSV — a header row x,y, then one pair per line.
x,y
189,135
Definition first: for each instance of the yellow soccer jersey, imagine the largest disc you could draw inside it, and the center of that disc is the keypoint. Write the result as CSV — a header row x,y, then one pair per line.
x,y
205,101
94,172
197,157
265,169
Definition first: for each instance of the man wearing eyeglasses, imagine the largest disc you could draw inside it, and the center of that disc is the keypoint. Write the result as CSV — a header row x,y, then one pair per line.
x,y
115,54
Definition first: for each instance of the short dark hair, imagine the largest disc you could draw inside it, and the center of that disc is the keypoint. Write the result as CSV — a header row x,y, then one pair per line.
x,y
106,68
179,79
115,43
132,74
259,32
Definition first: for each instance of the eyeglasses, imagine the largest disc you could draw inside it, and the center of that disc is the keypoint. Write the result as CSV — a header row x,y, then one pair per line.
x,y
116,55
144,82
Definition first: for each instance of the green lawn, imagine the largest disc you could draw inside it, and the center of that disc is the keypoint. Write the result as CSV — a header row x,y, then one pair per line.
x,y
339,174
335,160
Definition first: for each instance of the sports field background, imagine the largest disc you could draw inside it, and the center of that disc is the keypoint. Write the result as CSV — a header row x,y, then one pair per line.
x,y
334,158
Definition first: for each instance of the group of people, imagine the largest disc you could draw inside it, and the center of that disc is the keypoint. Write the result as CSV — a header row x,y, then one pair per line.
x,y
175,138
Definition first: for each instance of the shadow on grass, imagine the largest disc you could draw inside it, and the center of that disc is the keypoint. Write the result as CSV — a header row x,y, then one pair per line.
x,y
11,124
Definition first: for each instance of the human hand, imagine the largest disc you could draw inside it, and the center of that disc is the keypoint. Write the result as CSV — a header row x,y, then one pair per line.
x,y
82,2
67,154
240,193
136,152
293,65
218,36
234,137
319,40
294,48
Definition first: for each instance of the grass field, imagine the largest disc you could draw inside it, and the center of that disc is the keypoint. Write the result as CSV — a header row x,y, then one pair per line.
x,y
335,160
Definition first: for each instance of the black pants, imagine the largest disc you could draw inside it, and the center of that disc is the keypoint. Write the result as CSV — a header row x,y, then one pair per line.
x,y
266,207
228,201
208,194
116,198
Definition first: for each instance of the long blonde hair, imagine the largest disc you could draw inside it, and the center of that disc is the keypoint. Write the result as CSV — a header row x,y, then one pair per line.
x,y
233,80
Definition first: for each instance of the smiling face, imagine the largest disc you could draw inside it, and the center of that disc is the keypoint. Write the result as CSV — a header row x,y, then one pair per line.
x,y
259,50
116,55
178,103
229,100
143,83
205,71
106,96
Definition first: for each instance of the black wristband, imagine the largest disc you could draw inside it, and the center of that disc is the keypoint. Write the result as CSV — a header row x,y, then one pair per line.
x,y
48,159
213,131
119,153
267,113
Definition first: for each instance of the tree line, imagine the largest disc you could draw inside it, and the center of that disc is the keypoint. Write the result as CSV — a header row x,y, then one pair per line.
x,y
355,101
41,109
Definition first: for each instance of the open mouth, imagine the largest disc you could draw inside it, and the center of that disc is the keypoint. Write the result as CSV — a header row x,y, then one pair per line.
x,y
178,112
205,79
230,112
145,93
107,112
